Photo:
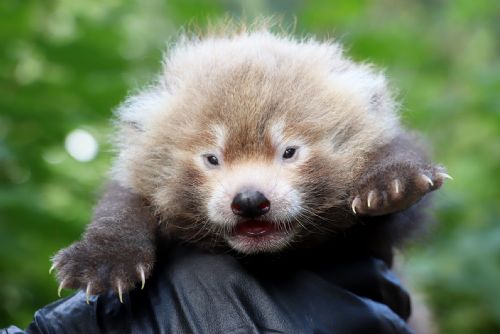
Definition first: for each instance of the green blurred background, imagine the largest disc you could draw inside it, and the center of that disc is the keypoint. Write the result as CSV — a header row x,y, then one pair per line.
x,y
64,65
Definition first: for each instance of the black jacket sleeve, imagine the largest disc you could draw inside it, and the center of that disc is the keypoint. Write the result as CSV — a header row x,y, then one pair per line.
x,y
193,291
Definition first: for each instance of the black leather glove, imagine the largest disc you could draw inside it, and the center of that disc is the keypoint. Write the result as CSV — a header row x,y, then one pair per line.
x,y
192,291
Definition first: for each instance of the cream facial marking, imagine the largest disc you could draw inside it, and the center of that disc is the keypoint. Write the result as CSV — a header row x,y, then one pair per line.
x,y
220,134
268,179
288,150
211,160
211,157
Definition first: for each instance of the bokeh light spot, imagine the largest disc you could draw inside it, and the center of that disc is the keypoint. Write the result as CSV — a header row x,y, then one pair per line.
x,y
81,145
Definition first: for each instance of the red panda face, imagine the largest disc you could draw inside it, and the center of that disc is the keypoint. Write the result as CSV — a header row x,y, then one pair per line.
x,y
253,191
256,188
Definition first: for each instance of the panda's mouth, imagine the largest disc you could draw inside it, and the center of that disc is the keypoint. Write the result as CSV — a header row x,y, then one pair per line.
x,y
256,236
255,228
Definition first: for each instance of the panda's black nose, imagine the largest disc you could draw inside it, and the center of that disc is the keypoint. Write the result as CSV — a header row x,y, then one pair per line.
x,y
250,204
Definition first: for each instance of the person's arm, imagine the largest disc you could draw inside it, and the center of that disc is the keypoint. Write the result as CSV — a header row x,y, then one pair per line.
x,y
117,249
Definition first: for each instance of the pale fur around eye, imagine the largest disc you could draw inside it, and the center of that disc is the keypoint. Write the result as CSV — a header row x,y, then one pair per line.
x,y
290,153
211,160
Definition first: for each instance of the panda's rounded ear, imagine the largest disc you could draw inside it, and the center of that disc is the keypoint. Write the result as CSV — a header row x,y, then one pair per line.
x,y
139,110
134,125
381,96
375,100
378,101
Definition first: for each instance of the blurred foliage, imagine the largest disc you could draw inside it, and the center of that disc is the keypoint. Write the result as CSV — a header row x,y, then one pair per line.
x,y
65,64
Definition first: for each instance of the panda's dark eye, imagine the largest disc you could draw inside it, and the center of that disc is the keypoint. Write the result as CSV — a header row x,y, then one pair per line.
x,y
289,152
212,159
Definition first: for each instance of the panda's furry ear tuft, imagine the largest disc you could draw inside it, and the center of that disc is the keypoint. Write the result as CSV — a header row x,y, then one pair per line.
x,y
134,125
381,98
133,118
380,101
139,110
375,100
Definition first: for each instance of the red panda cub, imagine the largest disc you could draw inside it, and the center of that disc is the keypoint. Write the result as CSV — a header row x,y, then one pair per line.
x,y
253,142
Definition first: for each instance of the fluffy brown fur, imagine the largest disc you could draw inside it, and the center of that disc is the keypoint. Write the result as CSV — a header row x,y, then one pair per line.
x,y
245,97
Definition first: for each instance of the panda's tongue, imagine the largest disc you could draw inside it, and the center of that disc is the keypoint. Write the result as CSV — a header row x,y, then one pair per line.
x,y
255,228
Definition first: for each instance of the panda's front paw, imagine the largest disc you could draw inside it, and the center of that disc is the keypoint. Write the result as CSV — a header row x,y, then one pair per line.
x,y
395,187
97,266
